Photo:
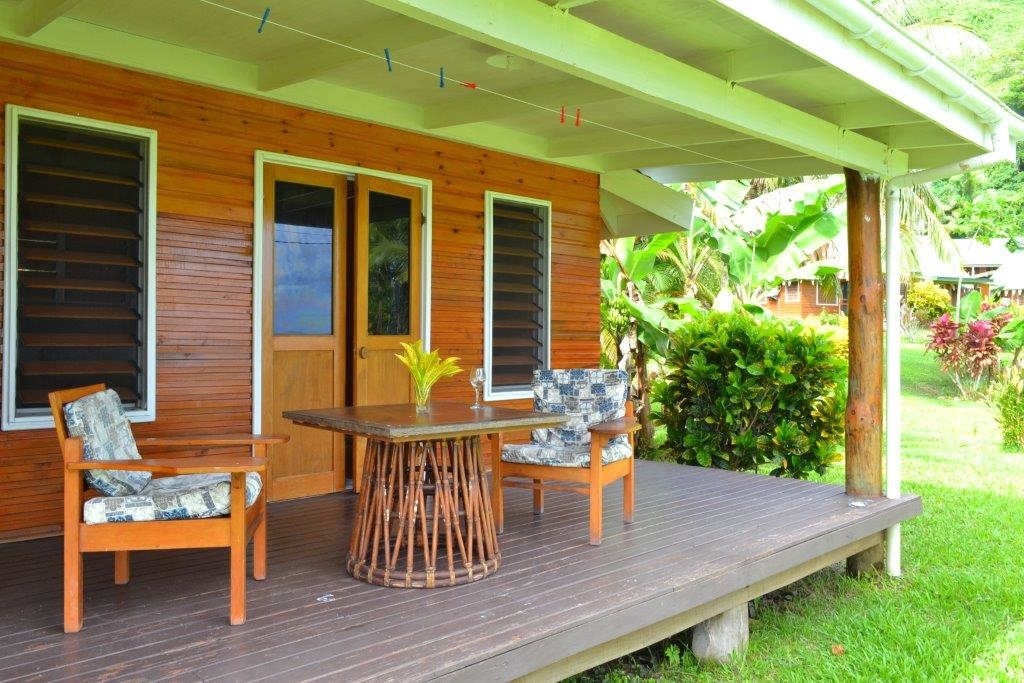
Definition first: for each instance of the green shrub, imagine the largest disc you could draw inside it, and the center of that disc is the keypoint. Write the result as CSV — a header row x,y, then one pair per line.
x,y
835,326
744,394
1008,399
836,318
927,301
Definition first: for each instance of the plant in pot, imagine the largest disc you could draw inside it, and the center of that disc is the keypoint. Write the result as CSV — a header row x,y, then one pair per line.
x,y
425,368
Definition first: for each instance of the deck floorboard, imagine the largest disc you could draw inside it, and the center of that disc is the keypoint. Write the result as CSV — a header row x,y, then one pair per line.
x,y
699,534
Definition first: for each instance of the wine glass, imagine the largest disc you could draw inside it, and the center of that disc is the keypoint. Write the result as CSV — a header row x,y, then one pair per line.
x,y
477,379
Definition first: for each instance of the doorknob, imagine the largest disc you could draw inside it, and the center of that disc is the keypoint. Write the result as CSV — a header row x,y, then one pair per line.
x,y
363,351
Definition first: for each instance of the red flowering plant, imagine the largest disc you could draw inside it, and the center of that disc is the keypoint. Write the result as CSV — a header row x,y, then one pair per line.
x,y
968,350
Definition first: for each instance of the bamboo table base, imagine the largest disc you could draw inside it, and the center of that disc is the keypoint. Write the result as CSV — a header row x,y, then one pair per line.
x,y
424,516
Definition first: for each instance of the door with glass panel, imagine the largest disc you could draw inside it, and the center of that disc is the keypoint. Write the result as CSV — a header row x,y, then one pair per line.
x,y
304,330
387,288
387,293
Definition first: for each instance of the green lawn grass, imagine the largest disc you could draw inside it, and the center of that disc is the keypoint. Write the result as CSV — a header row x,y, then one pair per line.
x,y
957,613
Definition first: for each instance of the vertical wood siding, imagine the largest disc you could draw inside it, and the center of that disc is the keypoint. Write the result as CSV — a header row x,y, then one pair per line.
x,y
207,139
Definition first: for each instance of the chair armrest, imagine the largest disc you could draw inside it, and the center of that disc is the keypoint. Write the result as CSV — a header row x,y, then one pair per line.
x,y
620,425
212,440
202,464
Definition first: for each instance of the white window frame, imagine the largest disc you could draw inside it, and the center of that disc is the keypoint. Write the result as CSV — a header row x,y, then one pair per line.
x,y
786,297
490,392
817,296
10,421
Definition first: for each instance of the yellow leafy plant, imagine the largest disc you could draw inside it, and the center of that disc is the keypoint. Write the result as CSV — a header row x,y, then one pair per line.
x,y
426,368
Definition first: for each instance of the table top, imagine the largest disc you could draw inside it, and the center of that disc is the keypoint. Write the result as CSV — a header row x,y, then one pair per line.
x,y
402,423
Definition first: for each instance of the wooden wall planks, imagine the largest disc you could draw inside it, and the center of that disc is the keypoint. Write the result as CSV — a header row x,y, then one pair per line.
x,y
207,140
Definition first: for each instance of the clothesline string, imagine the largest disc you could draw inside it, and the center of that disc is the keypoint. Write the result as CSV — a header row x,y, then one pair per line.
x,y
390,61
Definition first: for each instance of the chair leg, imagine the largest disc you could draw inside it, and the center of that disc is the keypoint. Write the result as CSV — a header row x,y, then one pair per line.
x,y
122,569
259,548
596,490
627,494
538,497
238,543
74,603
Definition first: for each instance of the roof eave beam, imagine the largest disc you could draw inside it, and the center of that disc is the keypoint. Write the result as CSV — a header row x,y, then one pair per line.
x,y
35,15
633,204
538,32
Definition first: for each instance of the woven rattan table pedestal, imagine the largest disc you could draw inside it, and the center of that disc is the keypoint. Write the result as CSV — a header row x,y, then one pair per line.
x,y
424,516
423,519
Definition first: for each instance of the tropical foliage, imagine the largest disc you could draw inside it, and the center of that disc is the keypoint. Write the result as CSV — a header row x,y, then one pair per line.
x,y
1008,400
967,346
745,393
927,301
651,287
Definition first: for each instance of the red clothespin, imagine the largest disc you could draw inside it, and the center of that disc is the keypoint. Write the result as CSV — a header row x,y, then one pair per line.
x,y
561,118
578,119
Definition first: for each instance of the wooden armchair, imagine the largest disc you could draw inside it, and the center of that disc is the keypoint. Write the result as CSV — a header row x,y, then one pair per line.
x,y
593,448
210,501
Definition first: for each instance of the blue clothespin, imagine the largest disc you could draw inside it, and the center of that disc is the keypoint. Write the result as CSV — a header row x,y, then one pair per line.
x,y
442,77
263,21
387,58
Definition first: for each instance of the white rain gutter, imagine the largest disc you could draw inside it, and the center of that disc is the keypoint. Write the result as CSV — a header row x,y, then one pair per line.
x,y
1003,150
867,25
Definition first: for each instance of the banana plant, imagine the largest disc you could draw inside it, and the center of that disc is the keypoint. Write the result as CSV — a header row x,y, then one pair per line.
x,y
638,317
779,236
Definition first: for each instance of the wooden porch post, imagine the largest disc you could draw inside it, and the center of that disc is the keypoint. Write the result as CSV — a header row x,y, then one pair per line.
x,y
864,404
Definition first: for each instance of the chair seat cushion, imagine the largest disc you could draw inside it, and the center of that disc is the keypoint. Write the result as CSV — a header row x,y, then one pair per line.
x,y
564,456
188,496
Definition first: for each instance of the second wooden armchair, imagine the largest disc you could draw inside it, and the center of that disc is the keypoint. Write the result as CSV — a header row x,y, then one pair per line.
x,y
592,449
213,501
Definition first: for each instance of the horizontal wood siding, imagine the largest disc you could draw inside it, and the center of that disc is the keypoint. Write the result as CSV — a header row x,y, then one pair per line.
x,y
806,306
207,139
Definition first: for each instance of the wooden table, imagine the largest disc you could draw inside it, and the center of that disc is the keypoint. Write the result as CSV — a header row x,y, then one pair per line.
x,y
423,518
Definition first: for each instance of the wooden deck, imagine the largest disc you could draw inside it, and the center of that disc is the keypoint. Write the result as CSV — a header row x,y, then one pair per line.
x,y
703,541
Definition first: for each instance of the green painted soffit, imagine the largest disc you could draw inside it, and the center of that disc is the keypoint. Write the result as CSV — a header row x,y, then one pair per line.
x,y
97,43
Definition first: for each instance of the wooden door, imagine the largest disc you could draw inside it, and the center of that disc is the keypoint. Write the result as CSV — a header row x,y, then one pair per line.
x,y
304,324
387,288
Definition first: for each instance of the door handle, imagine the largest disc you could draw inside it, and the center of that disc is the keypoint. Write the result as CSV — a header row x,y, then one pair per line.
x,y
363,352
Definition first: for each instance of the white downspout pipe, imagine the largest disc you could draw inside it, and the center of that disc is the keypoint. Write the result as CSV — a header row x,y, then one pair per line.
x,y
893,388
1003,150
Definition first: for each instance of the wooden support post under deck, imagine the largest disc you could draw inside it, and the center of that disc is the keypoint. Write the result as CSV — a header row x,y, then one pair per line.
x,y
864,405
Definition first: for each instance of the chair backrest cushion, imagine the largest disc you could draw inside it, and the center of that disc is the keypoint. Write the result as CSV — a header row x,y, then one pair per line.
x,y
106,434
586,397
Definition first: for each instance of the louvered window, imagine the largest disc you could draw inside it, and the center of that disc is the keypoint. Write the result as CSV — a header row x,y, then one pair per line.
x,y
517,322
81,297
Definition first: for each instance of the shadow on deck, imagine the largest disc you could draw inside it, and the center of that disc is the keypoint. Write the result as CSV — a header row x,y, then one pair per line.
x,y
703,541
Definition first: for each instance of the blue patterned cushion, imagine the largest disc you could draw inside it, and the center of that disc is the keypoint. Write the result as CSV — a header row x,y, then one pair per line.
x,y
100,420
585,397
188,496
564,456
